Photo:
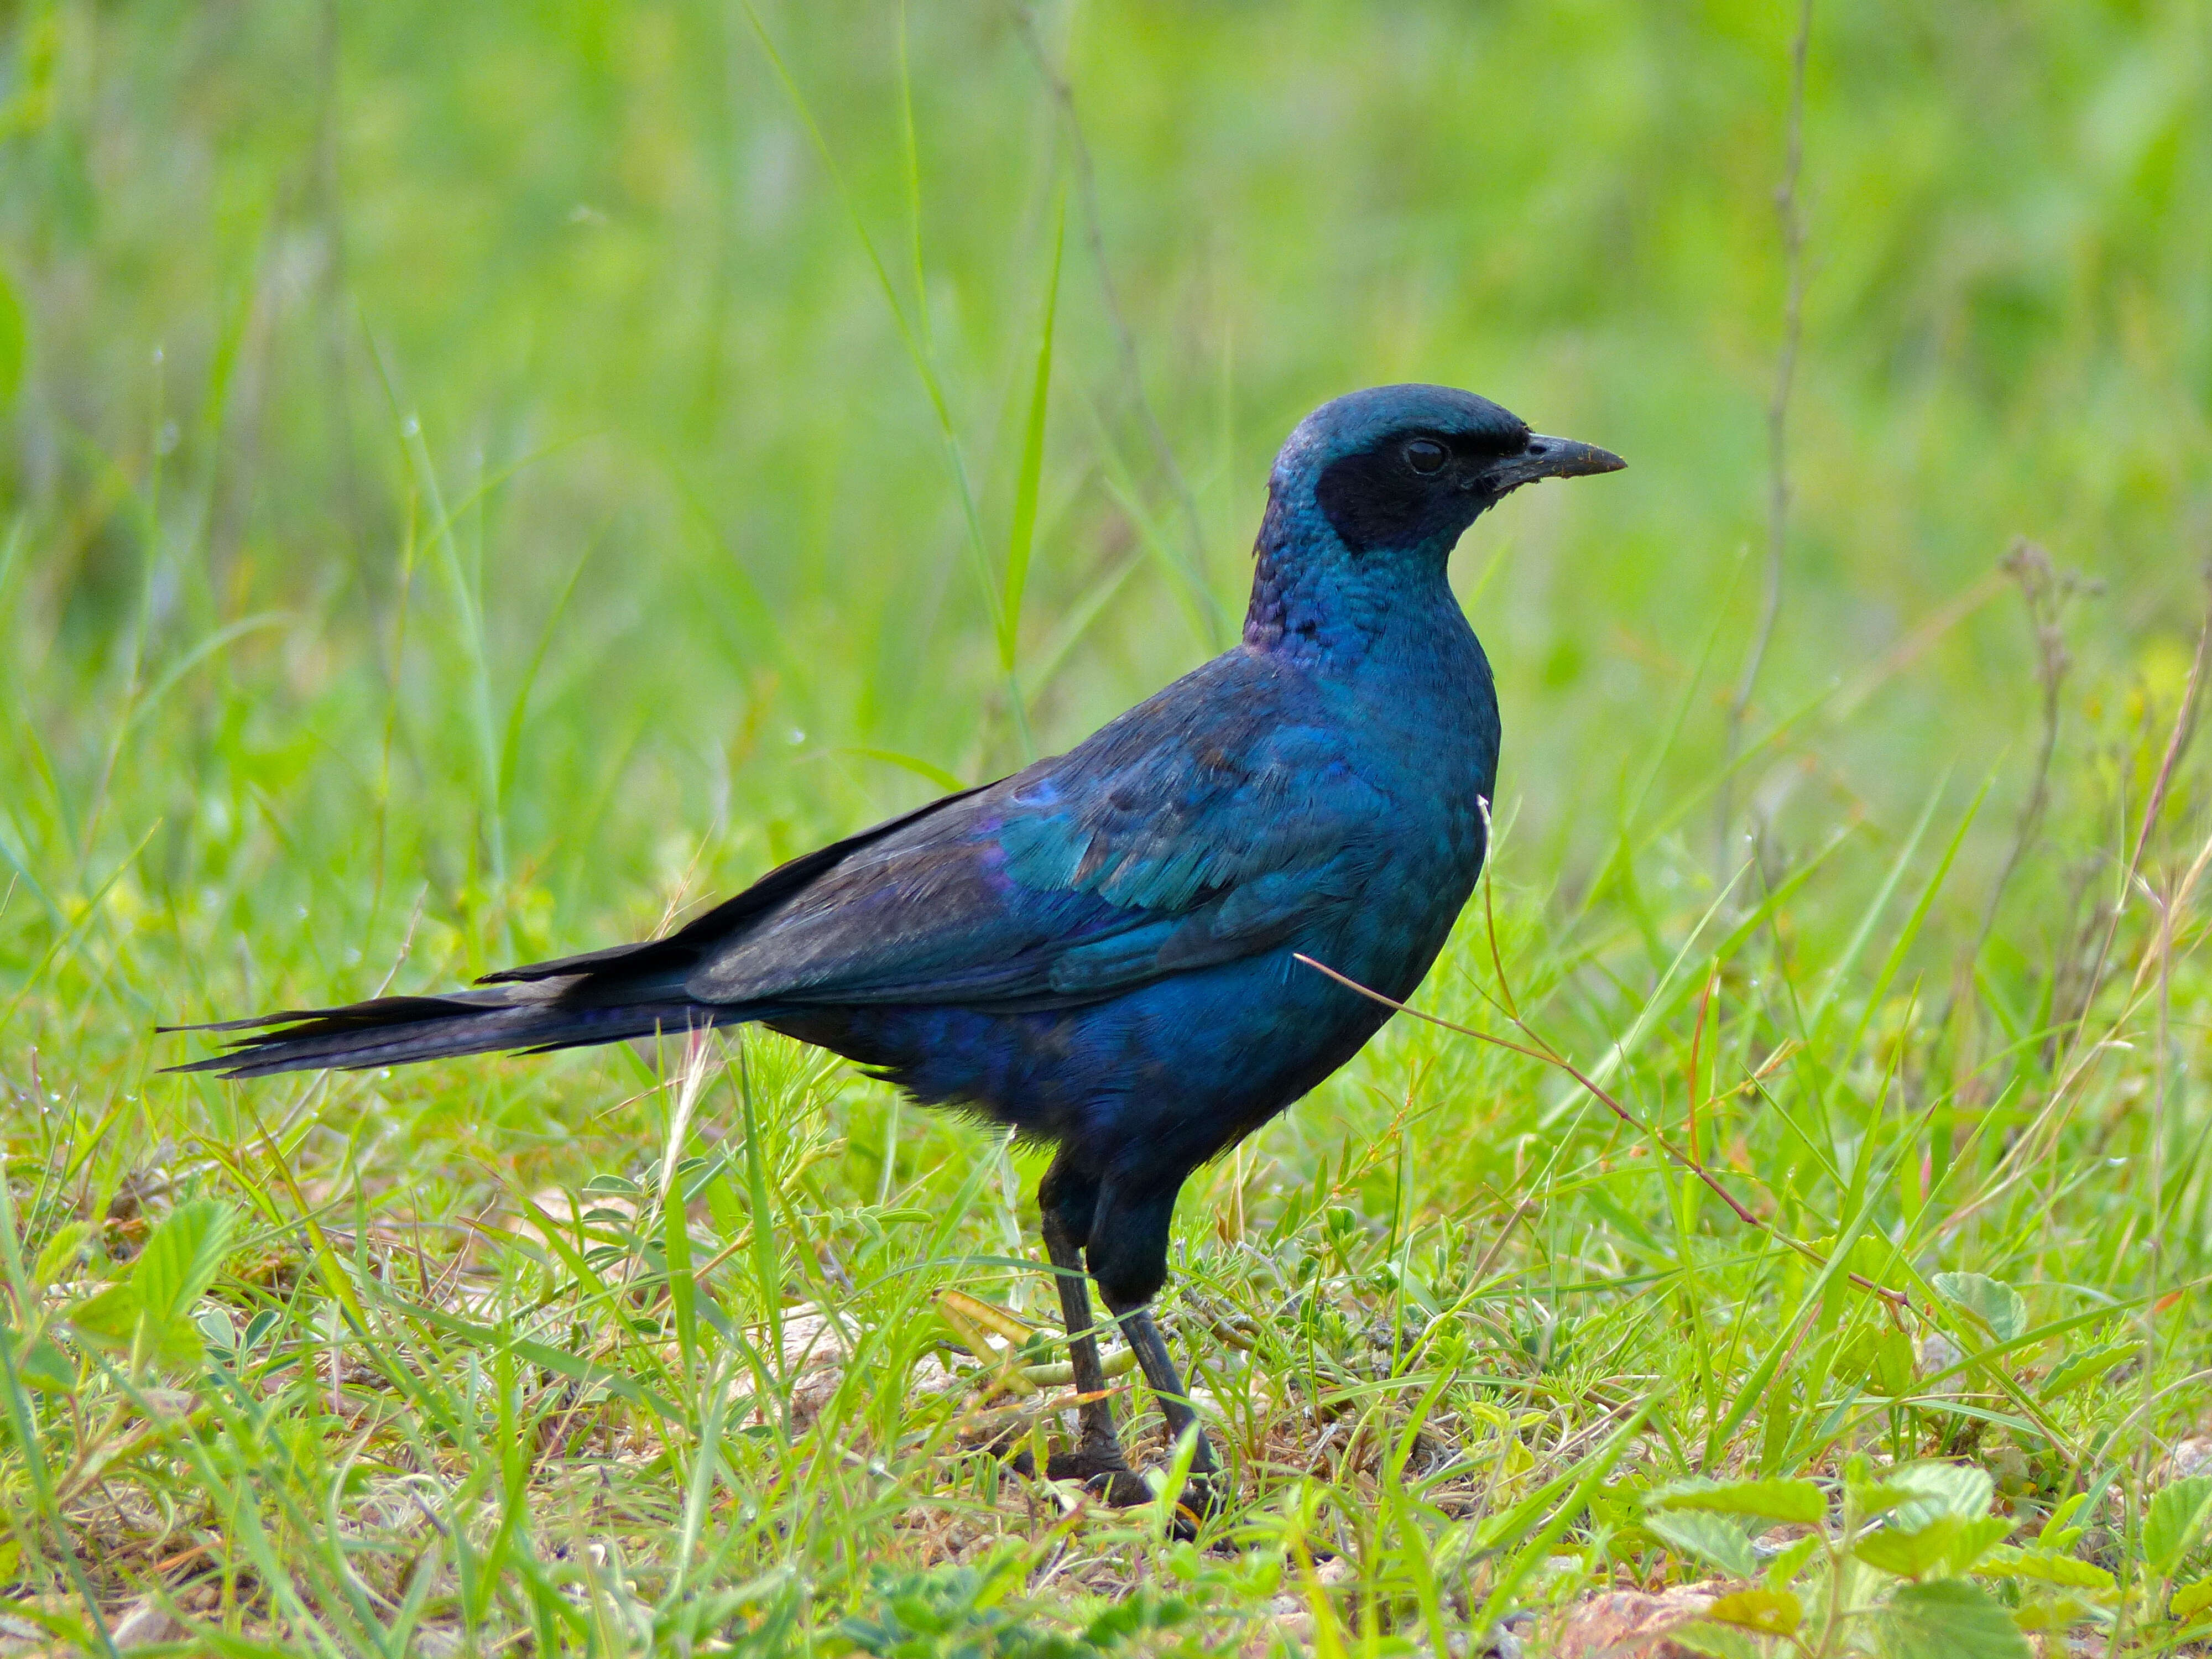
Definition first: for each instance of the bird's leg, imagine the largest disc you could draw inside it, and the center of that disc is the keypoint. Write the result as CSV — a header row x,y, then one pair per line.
x,y
1096,1459
1160,1371
1200,1492
1100,1442
1127,1251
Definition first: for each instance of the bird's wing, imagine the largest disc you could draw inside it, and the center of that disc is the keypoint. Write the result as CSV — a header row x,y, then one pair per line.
x,y
1202,826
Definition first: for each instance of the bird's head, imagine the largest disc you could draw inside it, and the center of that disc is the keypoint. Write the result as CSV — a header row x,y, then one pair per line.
x,y
1408,468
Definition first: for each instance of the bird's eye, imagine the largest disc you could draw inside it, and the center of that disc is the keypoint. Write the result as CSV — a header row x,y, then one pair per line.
x,y
1426,456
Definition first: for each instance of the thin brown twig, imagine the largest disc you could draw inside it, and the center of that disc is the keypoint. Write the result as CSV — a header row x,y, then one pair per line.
x,y
2184,728
2046,591
1551,1056
2177,742
1898,1302
2028,1148
1490,930
1521,1211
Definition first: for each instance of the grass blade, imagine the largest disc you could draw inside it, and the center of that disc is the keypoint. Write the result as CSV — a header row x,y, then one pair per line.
x,y
1023,530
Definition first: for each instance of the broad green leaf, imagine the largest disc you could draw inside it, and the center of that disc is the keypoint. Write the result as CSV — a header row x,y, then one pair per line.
x,y
1882,1359
1940,1489
1772,1613
179,1261
1790,1562
1990,1301
2192,1598
2052,1612
173,1272
41,1365
1868,1498
1710,1538
2175,1520
176,1345
1977,1539
2044,1567
1798,1501
107,1318
2083,1369
1909,1554
1949,1542
61,1252
1947,1618
150,1310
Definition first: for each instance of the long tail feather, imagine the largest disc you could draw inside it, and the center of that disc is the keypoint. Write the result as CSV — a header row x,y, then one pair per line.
x,y
400,1030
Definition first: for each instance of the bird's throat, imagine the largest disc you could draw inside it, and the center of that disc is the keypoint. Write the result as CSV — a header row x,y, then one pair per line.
x,y
1316,601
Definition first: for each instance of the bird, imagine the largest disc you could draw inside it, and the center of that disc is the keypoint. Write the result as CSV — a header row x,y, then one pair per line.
x,y
1112,951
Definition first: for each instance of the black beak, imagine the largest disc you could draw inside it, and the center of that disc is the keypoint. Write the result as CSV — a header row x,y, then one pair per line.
x,y
1545,457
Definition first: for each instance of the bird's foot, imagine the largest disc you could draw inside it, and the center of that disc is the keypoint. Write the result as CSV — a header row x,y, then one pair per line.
x,y
1106,1473
1101,1470
1205,1494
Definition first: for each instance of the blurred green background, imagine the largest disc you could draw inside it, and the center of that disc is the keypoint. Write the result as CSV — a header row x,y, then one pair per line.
x,y
471,451
477,481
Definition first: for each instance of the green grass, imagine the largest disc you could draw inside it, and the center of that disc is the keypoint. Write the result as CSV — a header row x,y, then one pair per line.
x,y
479,482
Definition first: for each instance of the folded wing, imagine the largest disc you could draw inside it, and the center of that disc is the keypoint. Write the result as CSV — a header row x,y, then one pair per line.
x,y
1206,824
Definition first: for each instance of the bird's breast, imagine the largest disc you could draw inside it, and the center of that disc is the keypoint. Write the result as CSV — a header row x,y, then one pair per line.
x,y
1424,719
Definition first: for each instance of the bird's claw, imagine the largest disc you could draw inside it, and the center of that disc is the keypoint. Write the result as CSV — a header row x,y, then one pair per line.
x,y
1203,1494
1104,1472
1108,1475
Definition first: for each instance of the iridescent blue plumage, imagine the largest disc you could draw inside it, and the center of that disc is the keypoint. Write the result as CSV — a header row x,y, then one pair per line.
x,y
1101,950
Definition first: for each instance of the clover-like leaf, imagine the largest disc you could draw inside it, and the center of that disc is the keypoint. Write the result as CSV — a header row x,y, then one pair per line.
x,y
1882,1359
2052,1613
1790,1560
